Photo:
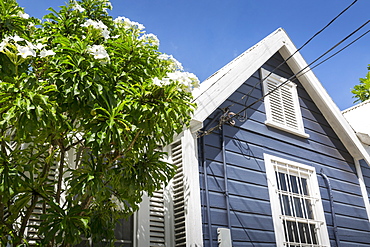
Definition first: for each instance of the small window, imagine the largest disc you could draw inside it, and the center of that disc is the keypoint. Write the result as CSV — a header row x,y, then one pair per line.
x,y
123,233
297,211
282,106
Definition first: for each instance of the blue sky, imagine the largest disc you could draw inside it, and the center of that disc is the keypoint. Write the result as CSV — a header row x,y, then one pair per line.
x,y
204,35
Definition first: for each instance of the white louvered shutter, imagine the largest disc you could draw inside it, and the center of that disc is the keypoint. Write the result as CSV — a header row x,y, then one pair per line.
x,y
282,105
283,109
156,220
178,196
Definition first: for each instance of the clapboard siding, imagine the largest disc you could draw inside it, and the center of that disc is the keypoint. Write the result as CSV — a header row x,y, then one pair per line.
x,y
247,142
252,156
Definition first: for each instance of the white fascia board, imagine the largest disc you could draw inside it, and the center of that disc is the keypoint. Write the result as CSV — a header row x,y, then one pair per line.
x,y
217,88
325,103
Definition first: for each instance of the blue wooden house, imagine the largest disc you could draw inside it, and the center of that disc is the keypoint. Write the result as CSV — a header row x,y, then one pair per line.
x,y
269,159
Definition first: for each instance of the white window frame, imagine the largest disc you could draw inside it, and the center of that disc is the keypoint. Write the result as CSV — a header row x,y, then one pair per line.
x,y
273,164
275,110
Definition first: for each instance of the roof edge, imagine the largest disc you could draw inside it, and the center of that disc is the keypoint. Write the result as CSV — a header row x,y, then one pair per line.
x,y
217,88
355,106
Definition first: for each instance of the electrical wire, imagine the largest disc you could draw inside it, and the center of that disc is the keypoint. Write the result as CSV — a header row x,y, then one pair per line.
x,y
341,49
300,48
295,76
231,207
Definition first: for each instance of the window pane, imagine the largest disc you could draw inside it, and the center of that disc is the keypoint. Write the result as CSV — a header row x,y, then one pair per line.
x,y
282,183
304,186
123,233
293,184
285,205
300,233
309,209
123,230
292,232
298,207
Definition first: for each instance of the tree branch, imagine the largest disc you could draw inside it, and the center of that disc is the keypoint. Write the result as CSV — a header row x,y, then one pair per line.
x,y
29,212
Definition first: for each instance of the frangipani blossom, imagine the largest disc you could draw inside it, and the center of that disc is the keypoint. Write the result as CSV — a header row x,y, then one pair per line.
x,y
176,65
2,46
150,39
98,51
189,80
4,43
98,25
16,38
45,53
38,46
165,81
25,51
127,23
78,7
23,15
105,33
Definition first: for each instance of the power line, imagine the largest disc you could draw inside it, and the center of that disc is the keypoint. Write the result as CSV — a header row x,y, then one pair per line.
x,y
341,49
306,43
231,207
295,76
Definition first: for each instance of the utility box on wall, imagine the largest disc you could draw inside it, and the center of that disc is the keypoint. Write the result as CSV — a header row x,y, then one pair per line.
x,y
224,237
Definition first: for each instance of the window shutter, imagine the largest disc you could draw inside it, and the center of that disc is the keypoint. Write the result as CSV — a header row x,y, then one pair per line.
x,y
283,110
35,221
157,224
35,218
178,196
282,104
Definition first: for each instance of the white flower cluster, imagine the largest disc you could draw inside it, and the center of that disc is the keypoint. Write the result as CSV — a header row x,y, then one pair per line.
x,y
25,50
98,51
98,25
175,65
150,39
23,15
76,6
189,80
127,23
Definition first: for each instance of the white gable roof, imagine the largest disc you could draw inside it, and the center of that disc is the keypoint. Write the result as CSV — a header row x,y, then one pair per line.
x,y
358,117
218,87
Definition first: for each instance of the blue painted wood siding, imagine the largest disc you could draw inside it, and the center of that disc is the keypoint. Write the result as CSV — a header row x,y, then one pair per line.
x,y
245,144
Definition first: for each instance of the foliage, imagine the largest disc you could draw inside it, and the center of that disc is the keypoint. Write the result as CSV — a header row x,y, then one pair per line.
x,y
362,91
85,103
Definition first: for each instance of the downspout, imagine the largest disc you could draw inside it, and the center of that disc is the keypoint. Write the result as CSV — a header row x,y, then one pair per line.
x,y
334,219
207,193
225,177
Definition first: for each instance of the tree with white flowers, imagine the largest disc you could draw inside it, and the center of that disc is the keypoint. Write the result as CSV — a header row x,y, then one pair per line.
x,y
85,103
